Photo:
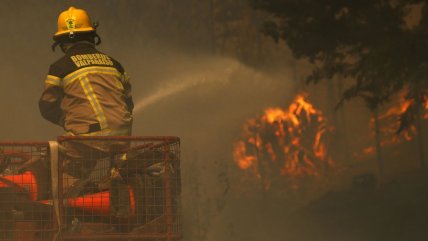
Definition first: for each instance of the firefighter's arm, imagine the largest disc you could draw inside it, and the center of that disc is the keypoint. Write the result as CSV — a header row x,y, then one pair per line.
x,y
50,101
127,92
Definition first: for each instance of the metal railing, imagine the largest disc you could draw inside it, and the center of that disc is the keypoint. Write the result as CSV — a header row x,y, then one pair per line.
x,y
108,188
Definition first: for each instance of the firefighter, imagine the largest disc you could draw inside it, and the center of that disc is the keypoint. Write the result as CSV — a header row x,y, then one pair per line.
x,y
86,92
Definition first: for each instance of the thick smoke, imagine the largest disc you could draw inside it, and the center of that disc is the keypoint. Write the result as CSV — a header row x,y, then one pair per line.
x,y
200,97
181,87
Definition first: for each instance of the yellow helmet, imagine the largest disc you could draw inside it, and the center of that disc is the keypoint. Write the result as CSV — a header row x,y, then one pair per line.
x,y
73,21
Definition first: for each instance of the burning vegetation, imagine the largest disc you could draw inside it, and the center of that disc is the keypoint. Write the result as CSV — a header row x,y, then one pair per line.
x,y
285,144
397,123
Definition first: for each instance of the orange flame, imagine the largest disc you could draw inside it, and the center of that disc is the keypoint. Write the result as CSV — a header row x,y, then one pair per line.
x,y
284,142
390,122
244,161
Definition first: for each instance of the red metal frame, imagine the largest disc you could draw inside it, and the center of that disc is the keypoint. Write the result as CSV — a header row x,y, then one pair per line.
x,y
155,201
22,217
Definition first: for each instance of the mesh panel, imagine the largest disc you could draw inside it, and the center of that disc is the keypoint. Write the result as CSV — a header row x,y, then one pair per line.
x,y
120,187
110,188
24,189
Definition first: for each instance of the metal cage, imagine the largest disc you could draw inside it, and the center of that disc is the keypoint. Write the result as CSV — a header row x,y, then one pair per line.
x,y
24,186
102,188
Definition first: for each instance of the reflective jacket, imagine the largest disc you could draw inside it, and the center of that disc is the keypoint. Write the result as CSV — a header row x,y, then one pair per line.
x,y
88,93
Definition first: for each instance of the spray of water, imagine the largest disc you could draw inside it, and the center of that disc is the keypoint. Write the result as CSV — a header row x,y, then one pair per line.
x,y
169,89
217,76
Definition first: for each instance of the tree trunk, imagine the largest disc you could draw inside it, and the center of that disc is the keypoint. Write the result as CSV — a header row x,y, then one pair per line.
x,y
419,110
420,137
378,145
344,130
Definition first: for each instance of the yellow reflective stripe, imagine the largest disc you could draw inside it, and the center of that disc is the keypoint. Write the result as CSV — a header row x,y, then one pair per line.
x,y
53,80
108,132
119,84
124,131
126,77
90,95
90,70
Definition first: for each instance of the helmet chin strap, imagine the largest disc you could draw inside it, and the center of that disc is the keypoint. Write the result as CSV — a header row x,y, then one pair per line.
x,y
54,45
98,39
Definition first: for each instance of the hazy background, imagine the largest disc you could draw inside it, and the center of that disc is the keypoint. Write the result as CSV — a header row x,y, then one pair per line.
x,y
191,78
181,86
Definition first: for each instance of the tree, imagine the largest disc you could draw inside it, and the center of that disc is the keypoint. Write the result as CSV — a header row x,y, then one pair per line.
x,y
380,45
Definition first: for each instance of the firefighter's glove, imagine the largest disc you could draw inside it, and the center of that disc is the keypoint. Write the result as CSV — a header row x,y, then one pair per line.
x,y
115,174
